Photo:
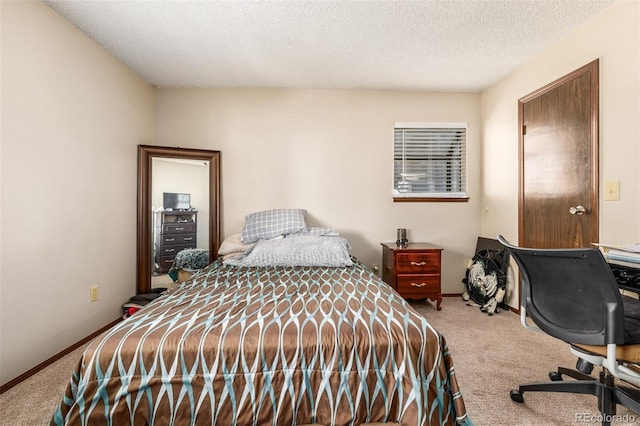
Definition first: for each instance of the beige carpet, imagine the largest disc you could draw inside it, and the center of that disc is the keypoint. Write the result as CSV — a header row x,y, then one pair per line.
x,y
491,356
33,401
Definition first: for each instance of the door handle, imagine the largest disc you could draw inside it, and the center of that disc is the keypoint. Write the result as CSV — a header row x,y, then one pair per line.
x,y
579,210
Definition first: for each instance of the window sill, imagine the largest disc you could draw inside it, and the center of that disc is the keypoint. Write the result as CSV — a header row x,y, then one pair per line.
x,y
430,199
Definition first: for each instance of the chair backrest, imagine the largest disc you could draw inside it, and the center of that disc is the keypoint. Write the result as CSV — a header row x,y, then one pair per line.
x,y
570,294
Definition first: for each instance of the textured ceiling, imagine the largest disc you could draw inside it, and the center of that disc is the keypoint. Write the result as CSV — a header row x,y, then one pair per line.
x,y
432,45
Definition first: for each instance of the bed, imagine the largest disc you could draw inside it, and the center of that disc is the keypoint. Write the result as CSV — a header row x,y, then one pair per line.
x,y
270,345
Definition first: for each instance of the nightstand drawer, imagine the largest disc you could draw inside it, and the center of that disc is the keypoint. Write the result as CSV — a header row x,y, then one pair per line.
x,y
418,263
418,284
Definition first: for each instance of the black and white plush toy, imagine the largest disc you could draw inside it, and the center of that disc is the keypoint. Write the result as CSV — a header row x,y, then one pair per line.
x,y
485,280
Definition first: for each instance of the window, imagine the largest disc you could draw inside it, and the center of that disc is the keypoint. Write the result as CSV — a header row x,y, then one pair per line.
x,y
429,162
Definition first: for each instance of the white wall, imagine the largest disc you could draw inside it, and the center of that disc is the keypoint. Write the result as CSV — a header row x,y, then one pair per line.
x,y
72,117
614,37
330,152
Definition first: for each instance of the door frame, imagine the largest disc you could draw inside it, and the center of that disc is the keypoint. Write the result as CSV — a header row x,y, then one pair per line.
x,y
593,68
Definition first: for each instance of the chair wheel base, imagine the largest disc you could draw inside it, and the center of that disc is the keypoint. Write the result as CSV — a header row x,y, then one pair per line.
x,y
516,396
555,376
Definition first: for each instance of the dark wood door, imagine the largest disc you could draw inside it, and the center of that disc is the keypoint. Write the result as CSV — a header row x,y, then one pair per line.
x,y
559,162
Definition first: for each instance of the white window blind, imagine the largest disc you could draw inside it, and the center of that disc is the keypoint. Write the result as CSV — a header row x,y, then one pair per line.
x,y
429,160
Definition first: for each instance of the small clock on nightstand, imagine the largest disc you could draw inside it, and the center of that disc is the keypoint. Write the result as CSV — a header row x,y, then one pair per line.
x,y
413,270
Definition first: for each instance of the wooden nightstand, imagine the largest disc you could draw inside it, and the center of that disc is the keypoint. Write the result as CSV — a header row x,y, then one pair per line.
x,y
413,270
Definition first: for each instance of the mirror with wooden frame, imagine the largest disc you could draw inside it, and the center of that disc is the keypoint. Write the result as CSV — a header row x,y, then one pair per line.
x,y
147,256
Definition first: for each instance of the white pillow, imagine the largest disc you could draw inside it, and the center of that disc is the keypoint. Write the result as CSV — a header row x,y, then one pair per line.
x,y
233,245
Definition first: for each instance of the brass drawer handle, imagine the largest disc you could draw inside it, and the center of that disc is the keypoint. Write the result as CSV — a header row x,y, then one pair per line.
x,y
418,285
188,239
179,229
419,263
169,239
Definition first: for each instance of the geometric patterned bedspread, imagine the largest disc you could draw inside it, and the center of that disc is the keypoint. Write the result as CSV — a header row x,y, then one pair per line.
x,y
268,346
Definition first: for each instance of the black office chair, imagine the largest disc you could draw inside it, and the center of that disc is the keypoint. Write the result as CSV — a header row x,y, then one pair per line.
x,y
572,295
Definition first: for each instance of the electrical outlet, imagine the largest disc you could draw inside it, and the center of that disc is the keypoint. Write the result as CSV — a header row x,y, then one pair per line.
x,y
93,293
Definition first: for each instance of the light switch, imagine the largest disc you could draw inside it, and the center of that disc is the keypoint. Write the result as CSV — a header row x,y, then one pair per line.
x,y
612,190
93,293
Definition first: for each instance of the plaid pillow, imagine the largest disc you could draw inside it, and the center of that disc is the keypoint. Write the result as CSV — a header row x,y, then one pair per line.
x,y
272,223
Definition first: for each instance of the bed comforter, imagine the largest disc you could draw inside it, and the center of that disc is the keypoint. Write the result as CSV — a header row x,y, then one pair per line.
x,y
268,346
